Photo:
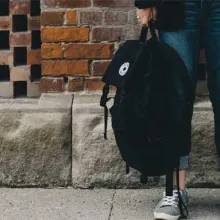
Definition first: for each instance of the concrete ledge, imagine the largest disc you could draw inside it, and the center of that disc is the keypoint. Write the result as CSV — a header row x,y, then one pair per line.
x,y
35,141
54,141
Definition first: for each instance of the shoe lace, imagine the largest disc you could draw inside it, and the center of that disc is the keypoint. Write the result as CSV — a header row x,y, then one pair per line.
x,y
171,200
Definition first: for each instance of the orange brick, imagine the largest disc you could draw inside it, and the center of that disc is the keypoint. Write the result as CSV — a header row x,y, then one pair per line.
x,y
52,17
94,84
71,17
34,57
75,84
65,67
64,34
5,23
50,51
89,50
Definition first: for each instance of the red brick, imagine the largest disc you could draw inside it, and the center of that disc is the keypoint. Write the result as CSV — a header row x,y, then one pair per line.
x,y
20,7
90,17
51,51
51,84
65,67
6,58
93,84
116,17
20,39
5,23
89,50
99,67
106,34
34,57
114,3
71,17
34,23
75,84
64,34
52,18
67,3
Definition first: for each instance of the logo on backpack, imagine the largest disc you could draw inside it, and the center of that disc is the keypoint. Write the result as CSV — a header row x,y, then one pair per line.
x,y
124,69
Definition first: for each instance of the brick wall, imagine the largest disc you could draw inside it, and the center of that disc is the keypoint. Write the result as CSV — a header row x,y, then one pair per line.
x,y
79,38
20,55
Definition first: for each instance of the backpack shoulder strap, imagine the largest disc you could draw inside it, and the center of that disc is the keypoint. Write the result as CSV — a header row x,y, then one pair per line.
x,y
103,102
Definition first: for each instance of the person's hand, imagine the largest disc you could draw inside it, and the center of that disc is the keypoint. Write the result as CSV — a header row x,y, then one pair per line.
x,y
145,15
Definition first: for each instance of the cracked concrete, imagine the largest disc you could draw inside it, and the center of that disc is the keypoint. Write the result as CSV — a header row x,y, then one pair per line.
x,y
99,204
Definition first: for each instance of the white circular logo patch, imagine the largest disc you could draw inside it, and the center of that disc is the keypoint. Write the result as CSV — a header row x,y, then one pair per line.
x,y
124,69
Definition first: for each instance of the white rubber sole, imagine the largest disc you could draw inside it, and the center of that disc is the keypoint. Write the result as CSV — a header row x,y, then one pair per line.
x,y
163,216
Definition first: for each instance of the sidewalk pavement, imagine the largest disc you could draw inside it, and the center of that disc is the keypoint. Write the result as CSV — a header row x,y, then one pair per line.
x,y
98,204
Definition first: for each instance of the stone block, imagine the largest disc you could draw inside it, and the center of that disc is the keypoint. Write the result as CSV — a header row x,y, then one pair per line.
x,y
203,157
35,143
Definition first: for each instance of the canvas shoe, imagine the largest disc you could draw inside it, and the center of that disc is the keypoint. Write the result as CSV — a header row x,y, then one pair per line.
x,y
168,207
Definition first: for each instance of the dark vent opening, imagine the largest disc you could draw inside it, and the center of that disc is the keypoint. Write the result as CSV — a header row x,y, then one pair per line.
x,y
4,40
65,79
36,40
4,73
4,7
20,89
35,8
20,23
35,72
20,56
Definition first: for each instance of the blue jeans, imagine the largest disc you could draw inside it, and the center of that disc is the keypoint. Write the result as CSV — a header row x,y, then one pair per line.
x,y
186,42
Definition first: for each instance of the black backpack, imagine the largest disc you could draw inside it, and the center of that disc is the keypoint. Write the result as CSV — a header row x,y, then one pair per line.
x,y
148,75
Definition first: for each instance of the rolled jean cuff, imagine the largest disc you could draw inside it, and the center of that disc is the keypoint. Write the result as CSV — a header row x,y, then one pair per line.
x,y
184,163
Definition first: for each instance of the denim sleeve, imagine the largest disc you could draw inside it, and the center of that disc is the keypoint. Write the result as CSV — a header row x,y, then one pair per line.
x,y
146,3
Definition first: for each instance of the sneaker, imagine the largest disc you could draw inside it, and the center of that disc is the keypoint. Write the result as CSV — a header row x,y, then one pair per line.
x,y
218,164
168,207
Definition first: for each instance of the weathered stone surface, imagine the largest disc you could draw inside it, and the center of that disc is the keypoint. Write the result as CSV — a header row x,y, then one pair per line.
x,y
96,161
203,157
35,142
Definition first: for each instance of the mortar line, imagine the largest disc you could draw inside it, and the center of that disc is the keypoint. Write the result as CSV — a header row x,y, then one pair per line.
x,y
112,205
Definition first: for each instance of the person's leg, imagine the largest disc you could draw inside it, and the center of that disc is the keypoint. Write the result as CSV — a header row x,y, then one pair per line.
x,y
212,48
186,43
